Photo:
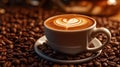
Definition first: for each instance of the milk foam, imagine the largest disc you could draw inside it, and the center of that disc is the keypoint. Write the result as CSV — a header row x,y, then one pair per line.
x,y
72,22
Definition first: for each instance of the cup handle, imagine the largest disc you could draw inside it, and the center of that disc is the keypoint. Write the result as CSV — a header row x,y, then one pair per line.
x,y
96,31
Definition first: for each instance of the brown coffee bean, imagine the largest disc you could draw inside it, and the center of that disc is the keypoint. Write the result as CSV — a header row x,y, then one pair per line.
x,y
36,29
114,48
105,64
82,56
23,65
32,33
32,24
79,66
7,40
0,45
32,39
2,11
71,65
90,64
30,59
11,46
103,59
56,65
112,57
97,63
116,59
3,58
20,28
34,64
7,64
16,61
88,54
4,53
118,65
118,38
4,32
84,65
24,60
112,53
2,62
14,30
3,43
111,63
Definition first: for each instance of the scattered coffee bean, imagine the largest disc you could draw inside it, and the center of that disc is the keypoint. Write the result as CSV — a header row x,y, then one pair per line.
x,y
56,65
71,65
79,66
2,11
111,63
16,61
90,64
20,28
112,57
97,63
103,59
105,64
7,64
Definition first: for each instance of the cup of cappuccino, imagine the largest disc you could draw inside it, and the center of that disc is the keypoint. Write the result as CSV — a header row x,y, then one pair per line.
x,y
72,33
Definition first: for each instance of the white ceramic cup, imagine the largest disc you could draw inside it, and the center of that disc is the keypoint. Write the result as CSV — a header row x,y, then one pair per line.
x,y
74,41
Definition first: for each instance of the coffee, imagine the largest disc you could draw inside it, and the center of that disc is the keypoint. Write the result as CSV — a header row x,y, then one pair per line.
x,y
69,22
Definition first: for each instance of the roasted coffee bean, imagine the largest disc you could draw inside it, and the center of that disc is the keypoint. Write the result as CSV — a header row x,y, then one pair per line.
x,y
90,64
3,57
20,28
88,54
84,65
79,66
4,53
7,64
116,59
97,63
105,64
103,59
56,65
111,63
11,46
112,57
16,61
36,29
7,40
117,65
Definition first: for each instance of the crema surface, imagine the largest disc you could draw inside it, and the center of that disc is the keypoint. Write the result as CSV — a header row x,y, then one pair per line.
x,y
69,22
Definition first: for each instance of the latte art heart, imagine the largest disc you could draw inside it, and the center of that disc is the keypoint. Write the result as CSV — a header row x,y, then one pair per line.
x,y
72,22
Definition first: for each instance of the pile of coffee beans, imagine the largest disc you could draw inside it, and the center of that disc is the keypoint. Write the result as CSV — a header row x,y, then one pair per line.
x,y
20,27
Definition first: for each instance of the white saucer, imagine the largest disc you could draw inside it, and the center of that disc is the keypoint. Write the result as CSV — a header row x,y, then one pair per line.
x,y
43,39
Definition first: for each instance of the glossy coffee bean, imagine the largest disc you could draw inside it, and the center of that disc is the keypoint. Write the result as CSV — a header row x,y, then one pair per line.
x,y
21,27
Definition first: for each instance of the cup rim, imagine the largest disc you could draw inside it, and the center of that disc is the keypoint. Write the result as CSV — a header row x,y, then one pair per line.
x,y
93,25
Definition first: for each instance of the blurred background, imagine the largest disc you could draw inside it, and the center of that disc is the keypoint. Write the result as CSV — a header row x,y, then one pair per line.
x,y
105,8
